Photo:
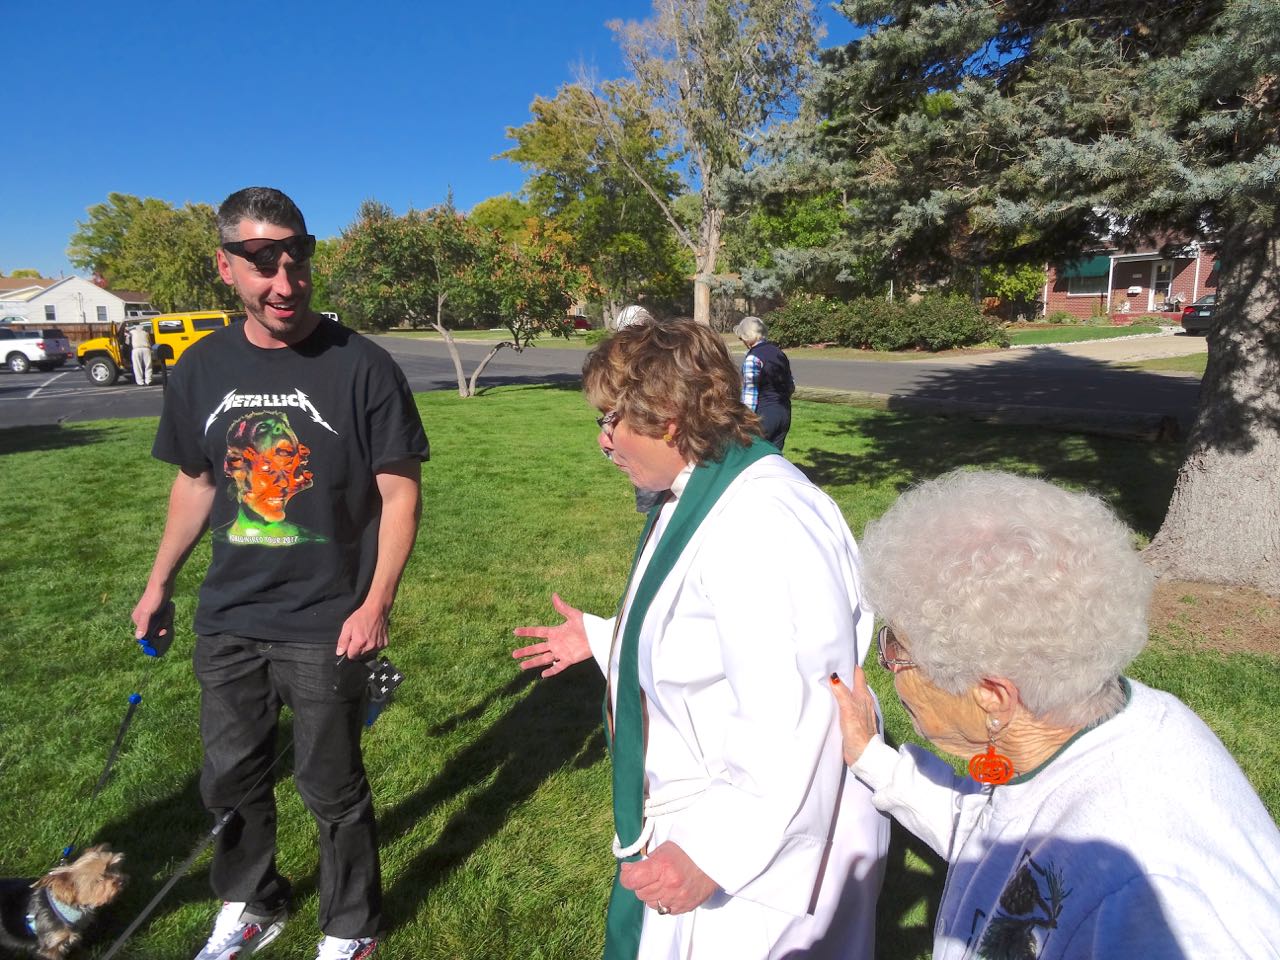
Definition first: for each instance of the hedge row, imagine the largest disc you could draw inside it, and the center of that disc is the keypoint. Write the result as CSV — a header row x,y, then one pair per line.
x,y
931,323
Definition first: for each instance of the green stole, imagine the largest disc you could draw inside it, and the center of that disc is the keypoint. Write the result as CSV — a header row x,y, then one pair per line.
x,y
626,741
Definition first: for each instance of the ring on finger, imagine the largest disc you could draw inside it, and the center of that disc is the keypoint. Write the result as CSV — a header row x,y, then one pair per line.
x,y
663,911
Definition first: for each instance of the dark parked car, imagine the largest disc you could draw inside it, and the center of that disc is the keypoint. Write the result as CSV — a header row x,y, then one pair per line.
x,y
1198,317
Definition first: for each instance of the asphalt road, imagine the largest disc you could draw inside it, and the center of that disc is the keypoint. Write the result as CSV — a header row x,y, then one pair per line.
x,y
1052,380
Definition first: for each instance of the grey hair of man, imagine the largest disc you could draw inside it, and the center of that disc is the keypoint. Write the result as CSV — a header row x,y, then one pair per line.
x,y
260,205
750,330
631,315
988,574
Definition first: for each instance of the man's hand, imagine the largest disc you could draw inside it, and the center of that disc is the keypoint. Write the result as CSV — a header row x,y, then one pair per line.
x,y
399,485
150,604
563,646
668,881
857,714
363,632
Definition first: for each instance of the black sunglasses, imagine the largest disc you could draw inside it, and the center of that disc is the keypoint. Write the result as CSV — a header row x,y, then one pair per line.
x,y
265,254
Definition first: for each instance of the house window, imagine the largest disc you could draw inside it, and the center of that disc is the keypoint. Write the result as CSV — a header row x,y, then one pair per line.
x,y
102,314
1087,277
1086,286
50,313
1162,283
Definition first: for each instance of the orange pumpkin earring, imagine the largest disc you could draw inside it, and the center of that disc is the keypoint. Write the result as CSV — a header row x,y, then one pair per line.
x,y
991,767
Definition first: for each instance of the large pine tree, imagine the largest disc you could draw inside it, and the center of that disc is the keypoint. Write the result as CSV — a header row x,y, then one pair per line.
x,y
1024,130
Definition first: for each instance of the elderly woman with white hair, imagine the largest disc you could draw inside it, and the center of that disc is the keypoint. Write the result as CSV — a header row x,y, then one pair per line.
x,y
1101,817
767,384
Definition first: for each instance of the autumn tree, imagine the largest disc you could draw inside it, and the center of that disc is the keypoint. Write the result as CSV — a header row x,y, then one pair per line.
x,y
578,165
717,74
433,267
97,245
506,215
147,244
1029,131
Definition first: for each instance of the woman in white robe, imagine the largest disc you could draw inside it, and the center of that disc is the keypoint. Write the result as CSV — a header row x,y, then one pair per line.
x,y
751,841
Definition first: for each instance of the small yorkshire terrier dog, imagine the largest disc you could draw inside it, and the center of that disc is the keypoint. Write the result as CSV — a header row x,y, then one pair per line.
x,y
47,917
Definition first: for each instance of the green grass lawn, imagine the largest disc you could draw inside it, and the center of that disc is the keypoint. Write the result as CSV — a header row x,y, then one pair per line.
x,y
1192,363
1074,334
492,787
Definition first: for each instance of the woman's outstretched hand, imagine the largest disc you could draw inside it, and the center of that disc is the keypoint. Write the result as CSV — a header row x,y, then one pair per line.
x,y
561,646
857,714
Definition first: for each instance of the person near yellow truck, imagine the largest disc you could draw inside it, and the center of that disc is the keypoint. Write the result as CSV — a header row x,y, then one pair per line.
x,y
103,359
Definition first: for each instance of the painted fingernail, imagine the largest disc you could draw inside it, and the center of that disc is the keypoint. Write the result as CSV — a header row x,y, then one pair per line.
x,y
835,679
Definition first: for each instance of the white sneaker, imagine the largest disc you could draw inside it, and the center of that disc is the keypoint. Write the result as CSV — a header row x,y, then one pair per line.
x,y
238,932
336,948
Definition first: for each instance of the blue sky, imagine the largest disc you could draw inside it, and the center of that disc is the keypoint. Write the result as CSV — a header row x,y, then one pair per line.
x,y
333,102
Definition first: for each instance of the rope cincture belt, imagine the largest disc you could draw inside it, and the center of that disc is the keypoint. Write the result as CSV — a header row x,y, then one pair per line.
x,y
707,483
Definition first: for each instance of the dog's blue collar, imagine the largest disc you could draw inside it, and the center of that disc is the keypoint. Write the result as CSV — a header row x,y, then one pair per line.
x,y
70,915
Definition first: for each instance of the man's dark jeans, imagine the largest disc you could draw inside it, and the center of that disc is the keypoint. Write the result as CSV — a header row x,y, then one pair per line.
x,y
775,423
243,683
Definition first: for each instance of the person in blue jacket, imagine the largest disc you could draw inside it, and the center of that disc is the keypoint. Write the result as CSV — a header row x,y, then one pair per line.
x,y
767,383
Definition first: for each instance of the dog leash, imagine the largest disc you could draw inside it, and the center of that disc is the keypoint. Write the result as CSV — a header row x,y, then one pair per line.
x,y
183,867
155,644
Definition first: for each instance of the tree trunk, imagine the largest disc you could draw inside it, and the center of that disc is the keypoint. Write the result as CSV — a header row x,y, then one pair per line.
x,y
708,253
1223,524
702,299
457,360
484,362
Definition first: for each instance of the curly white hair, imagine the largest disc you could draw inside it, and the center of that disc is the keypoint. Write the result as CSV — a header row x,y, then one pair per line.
x,y
988,574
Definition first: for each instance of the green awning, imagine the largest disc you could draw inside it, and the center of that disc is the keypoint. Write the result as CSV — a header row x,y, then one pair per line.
x,y
1095,266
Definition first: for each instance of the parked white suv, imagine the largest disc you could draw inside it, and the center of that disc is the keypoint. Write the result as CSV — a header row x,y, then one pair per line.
x,y
24,347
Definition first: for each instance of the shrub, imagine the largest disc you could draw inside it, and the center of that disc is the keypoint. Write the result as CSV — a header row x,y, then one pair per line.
x,y
943,323
803,320
1062,316
873,324
934,322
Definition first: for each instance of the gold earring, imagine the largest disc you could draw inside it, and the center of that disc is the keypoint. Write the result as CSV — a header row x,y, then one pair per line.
x,y
667,438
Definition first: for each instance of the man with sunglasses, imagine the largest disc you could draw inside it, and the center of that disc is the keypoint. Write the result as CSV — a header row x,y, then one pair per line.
x,y
286,620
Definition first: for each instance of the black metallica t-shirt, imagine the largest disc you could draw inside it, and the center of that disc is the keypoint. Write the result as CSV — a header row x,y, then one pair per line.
x,y
293,437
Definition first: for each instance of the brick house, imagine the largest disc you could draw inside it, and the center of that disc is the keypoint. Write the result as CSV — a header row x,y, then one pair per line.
x,y
1124,285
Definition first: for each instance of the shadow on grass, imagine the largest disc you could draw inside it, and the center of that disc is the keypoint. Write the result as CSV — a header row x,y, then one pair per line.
x,y
907,884
158,836
1135,477
1052,378
45,438
554,724
548,381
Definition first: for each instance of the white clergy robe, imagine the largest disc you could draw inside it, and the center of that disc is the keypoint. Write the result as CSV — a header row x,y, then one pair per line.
x,y
743,761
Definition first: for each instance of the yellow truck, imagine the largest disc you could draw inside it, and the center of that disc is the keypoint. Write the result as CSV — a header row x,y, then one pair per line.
x,y
104,359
